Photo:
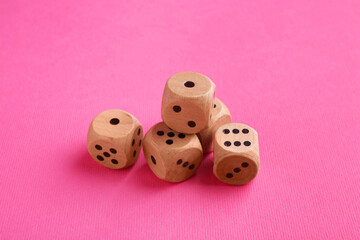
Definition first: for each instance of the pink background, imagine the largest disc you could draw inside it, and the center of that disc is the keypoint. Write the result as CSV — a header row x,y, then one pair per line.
x,y
290,69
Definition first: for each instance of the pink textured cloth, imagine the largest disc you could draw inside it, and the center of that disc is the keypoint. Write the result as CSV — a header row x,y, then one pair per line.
x,y
290,69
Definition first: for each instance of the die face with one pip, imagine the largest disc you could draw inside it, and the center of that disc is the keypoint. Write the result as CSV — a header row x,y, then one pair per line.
x,y
236,154
172,156
114,139
220,116
187,102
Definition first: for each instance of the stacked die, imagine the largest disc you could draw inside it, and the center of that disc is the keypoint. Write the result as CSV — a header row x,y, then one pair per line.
x,y
194,123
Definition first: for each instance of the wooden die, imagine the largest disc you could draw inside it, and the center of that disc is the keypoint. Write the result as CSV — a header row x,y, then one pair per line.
x,y
114,139
187,102
172,156
220,116
236,153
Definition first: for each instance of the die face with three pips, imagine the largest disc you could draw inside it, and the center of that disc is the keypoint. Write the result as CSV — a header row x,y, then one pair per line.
x,y
220,116
172,156
114,139
187,102
236,154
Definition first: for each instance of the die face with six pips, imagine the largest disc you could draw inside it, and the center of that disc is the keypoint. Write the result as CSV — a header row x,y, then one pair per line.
x,y
172,156
114,139
236,153
220,116
187,102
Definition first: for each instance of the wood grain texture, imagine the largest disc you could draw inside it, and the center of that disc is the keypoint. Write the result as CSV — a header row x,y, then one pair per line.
x,y
172,156
236,153
187,102
220,115
114,139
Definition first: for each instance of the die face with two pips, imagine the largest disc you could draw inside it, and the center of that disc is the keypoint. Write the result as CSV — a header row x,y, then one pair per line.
x,y
114,139
236,154
187,102
220,116
171,155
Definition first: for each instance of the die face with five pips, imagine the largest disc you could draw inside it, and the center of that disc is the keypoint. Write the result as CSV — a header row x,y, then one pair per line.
x,y
220,116
172,156
236,154
114,139
187,102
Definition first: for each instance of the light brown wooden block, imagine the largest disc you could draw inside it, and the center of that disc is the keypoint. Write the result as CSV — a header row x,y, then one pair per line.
x,y
220,116
187,102
172,156
236,153
114,139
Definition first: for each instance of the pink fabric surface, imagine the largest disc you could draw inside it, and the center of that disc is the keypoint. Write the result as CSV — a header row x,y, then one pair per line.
x,y
290,69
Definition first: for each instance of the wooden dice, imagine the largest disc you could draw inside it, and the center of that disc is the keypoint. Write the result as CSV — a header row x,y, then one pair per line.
x,y
114,139
171,155
220,116
187,102
236,153
194,122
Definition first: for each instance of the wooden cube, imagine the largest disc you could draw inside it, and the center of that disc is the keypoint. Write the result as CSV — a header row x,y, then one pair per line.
x,y
187,102
220,116
114,139
236,153
171,155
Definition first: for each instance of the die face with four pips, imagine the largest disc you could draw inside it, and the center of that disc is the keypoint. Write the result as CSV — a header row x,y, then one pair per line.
x,y
220,116
171,155
114,139
236,154
187,102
